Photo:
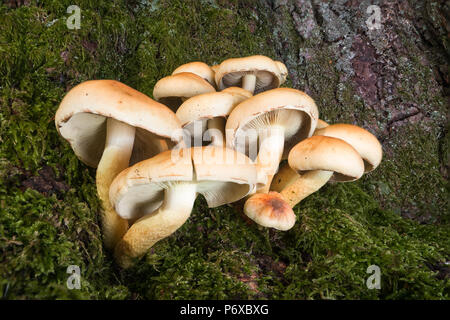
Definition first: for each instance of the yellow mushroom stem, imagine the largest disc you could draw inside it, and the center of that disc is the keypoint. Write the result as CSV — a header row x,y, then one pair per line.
x,y
269,155
144,233
285,176
249,82
116,157
305,185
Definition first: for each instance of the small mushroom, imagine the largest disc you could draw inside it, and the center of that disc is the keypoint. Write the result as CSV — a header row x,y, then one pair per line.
x,y
278,119
199,68
209,110
174,178
255,73
108,123
175,89
270,210
319,159
365,143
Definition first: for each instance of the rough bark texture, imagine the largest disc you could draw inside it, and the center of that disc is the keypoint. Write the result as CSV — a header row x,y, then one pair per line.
x,y
392,80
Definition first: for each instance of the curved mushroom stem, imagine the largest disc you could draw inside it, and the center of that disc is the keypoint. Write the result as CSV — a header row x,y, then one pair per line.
x,y
116,157
161,145
305,185
285,176
145,232
218,126
249,82
269,154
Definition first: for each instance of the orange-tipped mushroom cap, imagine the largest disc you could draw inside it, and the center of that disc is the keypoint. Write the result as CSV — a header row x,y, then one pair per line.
x,y
270,210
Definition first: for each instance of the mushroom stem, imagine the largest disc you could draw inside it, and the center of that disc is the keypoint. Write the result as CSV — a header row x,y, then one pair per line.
x,y
116,157
145,232
218,126
269,154
161,145
284,177
249,82
305,185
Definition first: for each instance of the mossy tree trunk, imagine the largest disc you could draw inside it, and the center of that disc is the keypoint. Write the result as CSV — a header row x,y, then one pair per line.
x,y
391,78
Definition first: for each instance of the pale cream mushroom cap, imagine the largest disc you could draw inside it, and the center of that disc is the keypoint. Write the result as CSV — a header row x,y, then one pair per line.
x,y
238,91
362,140
293,108
230,72
327,154
208,106
199,68
81,118
173,90
221,175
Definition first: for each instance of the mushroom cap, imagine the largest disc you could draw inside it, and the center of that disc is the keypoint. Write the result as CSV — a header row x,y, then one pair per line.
x,y
81,118
237,90
207,106
290,108
172,89
270,210
329,154
230,72
214,68
367,145
199,68
283,71
221,175
320,124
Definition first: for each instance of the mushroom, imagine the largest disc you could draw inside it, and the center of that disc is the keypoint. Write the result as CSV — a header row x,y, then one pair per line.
x,y
270,210
108,123
364,142
255,73
199,68
174,179
367,145
209,110
319,159
278,118
173,90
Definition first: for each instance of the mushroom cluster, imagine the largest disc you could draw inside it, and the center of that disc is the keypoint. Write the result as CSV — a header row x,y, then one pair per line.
x,y
221,131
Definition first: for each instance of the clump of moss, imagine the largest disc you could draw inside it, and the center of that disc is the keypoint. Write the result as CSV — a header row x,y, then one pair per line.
x,y
340,232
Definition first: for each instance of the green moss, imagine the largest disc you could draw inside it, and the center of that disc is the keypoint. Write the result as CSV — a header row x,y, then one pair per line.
x,y
340,231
